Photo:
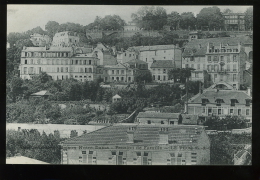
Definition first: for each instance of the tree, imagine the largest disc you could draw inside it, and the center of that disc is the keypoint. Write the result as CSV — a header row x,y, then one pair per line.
x,y
187,21
227,11
150,17
52,27
210,17
173,19
143,75
249,18
14,88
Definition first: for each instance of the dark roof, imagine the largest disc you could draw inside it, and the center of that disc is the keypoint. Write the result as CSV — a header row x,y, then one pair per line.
x,y
146,134
158,115
163,64
193,46
108,59
226,95
189,119
133,61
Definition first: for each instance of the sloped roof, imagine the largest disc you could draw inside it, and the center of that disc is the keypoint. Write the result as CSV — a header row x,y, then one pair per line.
x,y
158,115
163,64
108,59
145,134
116,96
117,66
41,93
189,119
133,61
226,95
216,42
23,160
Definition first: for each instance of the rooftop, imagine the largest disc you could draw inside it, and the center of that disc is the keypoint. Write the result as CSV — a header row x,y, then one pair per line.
x,y
108,59
143,135
41,93
133,61
23,160
158,115
226,95
163,64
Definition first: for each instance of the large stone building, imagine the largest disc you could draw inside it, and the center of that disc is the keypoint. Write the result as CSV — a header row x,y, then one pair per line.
x,y
66,38
220,100
224,59
157,52
133,144
234,21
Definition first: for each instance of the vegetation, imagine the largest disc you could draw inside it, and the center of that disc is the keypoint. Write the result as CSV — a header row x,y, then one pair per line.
x,y
32,144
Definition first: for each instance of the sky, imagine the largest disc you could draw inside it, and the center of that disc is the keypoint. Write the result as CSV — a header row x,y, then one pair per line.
x,y
21,18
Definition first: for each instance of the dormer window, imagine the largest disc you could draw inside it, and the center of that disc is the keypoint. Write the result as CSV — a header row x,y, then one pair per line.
x,y
219,101
233,102
204,101
248,101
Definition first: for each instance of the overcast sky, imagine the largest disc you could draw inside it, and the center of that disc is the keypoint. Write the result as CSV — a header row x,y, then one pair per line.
x,y
21,18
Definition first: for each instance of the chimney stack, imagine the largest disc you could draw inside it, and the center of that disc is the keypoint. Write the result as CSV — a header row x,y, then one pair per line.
x,y
163,135
130,134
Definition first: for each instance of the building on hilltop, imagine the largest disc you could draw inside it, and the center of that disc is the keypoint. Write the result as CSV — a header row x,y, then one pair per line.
x,y
234,21
132,144
65,39
40,40
131,26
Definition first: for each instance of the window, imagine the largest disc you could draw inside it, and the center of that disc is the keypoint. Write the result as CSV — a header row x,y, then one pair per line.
x,y
222,58
25,70
159,78
219,111
239,111
204,101
234,77
231,111
66,69
248,101
148,122
164,78
198,66
122,78
122,72
113,72
61,69
234,67
196,74
247,112
192,65
215,59
233,101
153,77
89,62
228,59
234,58
31,61
129,55
162,122
209,58
164,71
25,61
228,67
76,61
58,69
215,76
163,57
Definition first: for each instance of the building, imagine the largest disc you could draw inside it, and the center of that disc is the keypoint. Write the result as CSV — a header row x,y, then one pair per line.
x,y
158,118
125,56
118,73
190,119
40,40
131,26
243,157
58,62
160,70
202,76
223,58
132,144
158,52
41,94
221,103
65,39
136,64
234,21
248,77
116,98
195,35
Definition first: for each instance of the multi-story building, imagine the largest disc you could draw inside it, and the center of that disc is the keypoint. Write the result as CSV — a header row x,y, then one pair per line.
x,y
119,73
131,26
224,59
40,40
58,62
234,21
125,56
158,52
66,38
158,118
202,76
160,70
220,102
133,144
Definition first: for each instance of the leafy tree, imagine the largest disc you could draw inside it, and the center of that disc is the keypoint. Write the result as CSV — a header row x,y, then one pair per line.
x,y
173,19
52,27
249,18
227,11
187,21
150,17
143,75
211,17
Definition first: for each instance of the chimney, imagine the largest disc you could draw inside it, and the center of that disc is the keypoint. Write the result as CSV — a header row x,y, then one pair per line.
x,y
163,135
130,134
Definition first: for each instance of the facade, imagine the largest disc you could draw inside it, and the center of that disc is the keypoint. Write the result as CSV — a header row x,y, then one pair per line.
x,y
58,62
132,144
224,59
248,77
136,64
234,21
158,52
131,26
125,56
160,69
40,40
116,98
195,35
158,118
118,73
66,38
200,75
220,103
